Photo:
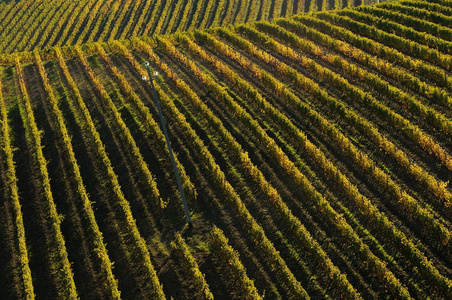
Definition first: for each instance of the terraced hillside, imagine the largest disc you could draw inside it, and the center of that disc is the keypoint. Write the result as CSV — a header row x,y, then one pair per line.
x,y
27,24
315,153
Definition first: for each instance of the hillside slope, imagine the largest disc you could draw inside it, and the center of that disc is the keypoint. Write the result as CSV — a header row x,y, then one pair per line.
x,y
315,153
27,25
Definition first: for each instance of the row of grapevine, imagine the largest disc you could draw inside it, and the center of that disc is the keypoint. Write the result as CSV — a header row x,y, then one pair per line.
x,y
204,18
230,259
42,23
188,262
141,201
325,167
92,18
56,22
137,27
233,169
58,258
263,138
131,16
186,16
24,284
102,27
181,12
41,15
13,13
51,13
304,33
191,141
314,195
73,24
164,18
241,11
299,230
145,190
428,6
416,107
418,24
244,173
413,132
121,17
146,176
427,15
166,102
156,11
137,249
431,72
360,158
94,235
18,21
7,10
357,196
252,227
392,40
438,188
428,40
141,110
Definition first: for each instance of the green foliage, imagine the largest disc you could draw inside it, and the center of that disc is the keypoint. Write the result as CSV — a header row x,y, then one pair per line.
x,y
60,266
231,260
188,262
138,247
319,143
254,229
89,217
25,287
29,25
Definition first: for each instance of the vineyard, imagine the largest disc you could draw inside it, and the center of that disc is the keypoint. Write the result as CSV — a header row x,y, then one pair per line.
x,y
26,25
315,151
